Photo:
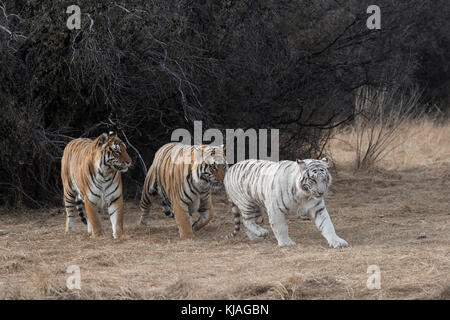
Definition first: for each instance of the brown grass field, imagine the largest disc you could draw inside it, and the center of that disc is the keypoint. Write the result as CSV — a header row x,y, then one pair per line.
x,y
397,218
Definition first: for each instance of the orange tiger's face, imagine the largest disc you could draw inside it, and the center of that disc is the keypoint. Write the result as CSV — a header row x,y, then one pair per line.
x,y
114,152
216,166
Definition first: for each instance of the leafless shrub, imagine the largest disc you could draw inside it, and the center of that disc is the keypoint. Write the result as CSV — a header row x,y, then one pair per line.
x,y
380,115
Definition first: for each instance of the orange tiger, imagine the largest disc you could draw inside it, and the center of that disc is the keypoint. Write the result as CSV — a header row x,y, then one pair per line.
x,y
183,176
91,178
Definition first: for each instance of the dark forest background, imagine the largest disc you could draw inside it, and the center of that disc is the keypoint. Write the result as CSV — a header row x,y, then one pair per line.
x,y
145,68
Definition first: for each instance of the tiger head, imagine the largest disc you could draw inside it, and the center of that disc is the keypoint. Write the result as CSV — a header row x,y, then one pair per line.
x,y
113,152
215,165
315,179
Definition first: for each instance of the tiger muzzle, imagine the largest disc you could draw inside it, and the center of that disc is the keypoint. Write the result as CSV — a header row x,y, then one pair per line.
x,y
122,167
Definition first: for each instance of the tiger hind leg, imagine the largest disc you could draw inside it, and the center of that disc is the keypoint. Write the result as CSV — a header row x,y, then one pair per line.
x,y
206,212
143,218
69,204
144,206
250,234
259,218
251,228
72,202
166,207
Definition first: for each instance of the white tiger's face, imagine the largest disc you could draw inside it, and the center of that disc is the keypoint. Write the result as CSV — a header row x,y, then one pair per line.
x,y
315,179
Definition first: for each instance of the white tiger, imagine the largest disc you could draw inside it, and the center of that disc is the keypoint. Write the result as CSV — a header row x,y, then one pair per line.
x,y
255,186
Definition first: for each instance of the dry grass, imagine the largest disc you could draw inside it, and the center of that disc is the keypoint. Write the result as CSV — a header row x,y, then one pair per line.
x,y
421,144
381,214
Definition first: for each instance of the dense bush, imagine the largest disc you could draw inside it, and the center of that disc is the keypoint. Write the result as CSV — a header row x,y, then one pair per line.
x,y
145,68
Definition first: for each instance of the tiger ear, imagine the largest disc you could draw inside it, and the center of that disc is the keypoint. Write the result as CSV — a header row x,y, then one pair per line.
x,y
302,164
220,155
222,149
326,161
112,134
102,140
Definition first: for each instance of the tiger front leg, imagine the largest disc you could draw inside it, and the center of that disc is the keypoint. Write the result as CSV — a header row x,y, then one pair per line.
x,y
183,220
115,212
279,227
206,211
303,214
323,222
89,227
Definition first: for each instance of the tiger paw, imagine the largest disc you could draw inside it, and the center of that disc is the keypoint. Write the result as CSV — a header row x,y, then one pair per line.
x,y
255,235
97,234
338,243
143,222
286,243
262,233
70,228
118,235
187,235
